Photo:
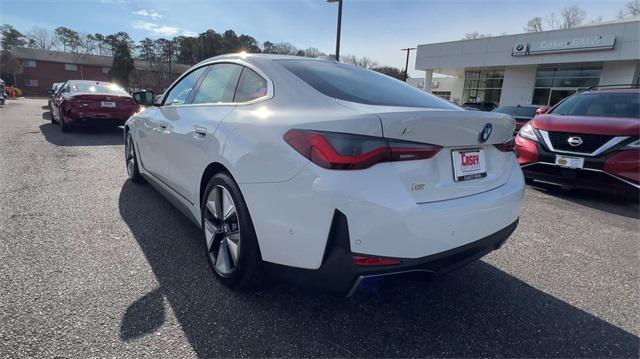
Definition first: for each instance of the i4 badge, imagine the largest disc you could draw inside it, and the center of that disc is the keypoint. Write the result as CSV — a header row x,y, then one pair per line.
x,y
485,133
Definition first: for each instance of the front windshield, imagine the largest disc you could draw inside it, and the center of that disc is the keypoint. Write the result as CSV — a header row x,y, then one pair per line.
x,y
356,84
601,104
517,111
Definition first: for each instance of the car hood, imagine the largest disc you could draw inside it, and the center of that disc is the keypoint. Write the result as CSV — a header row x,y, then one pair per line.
x,y
613,126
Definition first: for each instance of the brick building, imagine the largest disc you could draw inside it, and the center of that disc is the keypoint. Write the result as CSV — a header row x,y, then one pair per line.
x,y
41,68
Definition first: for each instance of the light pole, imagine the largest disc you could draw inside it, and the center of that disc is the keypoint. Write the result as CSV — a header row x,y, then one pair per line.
x,y
339,26
406,65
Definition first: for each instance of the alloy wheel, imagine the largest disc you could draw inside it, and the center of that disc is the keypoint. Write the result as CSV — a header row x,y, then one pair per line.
x,y
222,231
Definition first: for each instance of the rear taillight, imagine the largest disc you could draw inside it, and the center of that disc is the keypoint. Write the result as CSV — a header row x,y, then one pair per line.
x,y
344,151
507,146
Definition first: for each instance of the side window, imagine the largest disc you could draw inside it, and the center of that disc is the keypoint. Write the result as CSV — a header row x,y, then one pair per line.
x,y
250,87
219,84
180,92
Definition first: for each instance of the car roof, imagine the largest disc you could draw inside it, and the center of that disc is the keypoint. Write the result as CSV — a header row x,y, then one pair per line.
x,y
90,82
610,90
257,58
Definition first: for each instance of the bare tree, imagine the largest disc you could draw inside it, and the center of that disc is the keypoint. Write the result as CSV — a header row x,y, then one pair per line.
x,y
365,62
475,35
534,25
596,21
572,16
632,8
41,38
553,22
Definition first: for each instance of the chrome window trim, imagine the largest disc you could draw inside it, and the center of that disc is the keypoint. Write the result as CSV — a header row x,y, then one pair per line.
x,y
586,169
609,144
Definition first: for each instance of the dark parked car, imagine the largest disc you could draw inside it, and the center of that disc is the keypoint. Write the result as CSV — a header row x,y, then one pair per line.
x,y
81,102
521,113
479,106
589,140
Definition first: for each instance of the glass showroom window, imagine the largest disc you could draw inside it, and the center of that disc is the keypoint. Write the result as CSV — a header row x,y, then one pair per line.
x,y
443,94
555,83
483,85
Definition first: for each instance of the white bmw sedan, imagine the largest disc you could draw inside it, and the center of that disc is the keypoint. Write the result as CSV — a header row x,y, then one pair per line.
x,y
327,172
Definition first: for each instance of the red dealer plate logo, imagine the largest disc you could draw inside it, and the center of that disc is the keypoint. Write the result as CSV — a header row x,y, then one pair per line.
x,y
468,164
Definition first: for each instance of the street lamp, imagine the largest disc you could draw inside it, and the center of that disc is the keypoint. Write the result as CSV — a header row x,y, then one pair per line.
x,y
339,26
406,65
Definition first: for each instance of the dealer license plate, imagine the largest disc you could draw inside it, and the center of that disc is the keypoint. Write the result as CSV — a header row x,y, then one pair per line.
x,y
569,161
109,104
468,164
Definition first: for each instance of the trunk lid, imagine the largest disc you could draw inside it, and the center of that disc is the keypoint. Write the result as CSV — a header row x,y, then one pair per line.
x,y
458,132
98,103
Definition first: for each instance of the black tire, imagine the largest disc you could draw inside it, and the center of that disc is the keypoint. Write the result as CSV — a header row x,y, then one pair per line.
x,y
247,272
131,160
63,126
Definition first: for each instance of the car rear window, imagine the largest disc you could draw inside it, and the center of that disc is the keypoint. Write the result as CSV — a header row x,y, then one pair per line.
x,y
356,84
98,88
601,104
517,111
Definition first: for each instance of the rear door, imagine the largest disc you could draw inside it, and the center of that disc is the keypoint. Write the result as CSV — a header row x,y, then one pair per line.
x,y
192,126
152,141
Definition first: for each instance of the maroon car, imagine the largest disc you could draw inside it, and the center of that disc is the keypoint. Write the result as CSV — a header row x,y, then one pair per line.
x,y
589,140
82,102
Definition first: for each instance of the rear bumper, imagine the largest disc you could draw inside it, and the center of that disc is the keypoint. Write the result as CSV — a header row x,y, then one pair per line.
x,y
74,117
91,121
339,275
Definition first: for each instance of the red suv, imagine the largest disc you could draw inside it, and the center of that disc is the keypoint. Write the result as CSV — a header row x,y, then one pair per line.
x,y
589,140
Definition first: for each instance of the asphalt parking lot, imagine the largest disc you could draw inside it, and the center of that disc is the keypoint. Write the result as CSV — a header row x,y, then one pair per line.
x,y
93,265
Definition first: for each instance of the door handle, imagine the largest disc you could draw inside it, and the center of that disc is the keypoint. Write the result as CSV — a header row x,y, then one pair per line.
x,y
200,131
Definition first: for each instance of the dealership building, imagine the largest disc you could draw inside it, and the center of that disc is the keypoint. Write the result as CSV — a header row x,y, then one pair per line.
x,y
538,68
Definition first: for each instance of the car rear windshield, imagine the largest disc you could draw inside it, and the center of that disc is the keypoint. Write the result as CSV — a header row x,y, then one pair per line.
x,y
356,84
98,88
517,111
601,104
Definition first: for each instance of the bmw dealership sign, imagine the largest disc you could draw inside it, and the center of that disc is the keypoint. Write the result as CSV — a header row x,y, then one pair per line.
x,y
585,43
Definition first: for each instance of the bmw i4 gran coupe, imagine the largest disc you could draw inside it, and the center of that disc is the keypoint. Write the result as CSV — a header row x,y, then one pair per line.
x,y
327,172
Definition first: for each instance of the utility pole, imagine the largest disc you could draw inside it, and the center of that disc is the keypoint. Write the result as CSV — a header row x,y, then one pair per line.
x,y
406,65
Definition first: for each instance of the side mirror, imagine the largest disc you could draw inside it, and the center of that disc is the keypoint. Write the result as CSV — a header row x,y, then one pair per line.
x,y
542,110
144,98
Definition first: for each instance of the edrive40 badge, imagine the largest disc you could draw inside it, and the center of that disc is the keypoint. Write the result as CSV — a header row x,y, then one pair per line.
x,y
485,133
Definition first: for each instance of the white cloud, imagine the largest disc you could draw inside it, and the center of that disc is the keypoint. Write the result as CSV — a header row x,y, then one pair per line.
x,y
155,28
152,14
189,33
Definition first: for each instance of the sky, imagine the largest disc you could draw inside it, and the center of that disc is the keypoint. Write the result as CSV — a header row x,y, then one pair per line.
x,y
377,29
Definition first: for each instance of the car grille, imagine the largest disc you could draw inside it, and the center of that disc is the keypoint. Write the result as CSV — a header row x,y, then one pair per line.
x,y
590,143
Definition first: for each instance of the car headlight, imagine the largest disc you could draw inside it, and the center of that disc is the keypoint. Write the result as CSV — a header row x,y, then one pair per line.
x,y
632,146
526,131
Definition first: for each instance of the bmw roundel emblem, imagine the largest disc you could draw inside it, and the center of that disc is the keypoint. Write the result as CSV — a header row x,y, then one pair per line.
x,y
520,47
485,133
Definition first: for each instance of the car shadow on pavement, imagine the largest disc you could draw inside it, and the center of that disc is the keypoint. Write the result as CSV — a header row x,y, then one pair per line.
x,y
628,206
82,136
477,311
